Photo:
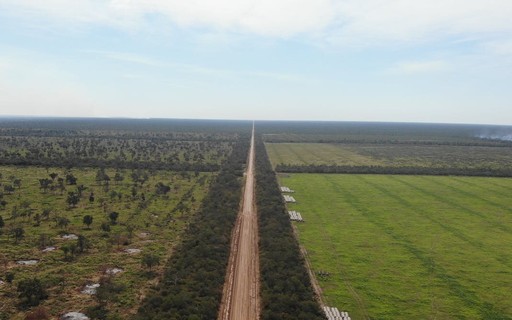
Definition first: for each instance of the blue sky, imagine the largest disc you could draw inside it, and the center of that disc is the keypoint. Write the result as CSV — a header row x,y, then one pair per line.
x,y
355,60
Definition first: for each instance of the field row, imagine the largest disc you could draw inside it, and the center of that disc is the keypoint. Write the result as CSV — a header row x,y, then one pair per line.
x,y
408,247
393,156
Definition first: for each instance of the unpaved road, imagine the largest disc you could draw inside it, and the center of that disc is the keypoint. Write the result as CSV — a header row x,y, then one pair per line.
x,y
240,299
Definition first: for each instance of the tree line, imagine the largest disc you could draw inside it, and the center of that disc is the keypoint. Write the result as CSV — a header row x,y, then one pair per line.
x,y
118,164
403,170
286,291
193,281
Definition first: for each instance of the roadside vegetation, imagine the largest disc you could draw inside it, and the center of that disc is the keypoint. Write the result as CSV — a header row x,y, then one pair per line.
x,y
408,247
194,276
286,291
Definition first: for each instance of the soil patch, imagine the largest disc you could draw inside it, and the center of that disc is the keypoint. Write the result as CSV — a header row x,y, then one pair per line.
x,y
27,262
132,250
113,271
74,316
90,289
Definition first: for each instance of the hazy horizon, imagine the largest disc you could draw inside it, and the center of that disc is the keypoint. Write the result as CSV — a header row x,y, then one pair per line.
x,y
331,60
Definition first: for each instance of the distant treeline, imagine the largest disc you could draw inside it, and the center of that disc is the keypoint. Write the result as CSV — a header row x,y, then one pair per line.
x,y
194,277
310,131
477,172
146,126
286,291
372,141
98,163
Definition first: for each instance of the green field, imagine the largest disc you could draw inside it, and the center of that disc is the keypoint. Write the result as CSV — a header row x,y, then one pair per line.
x,y
319,154
390,155
147,220
408,247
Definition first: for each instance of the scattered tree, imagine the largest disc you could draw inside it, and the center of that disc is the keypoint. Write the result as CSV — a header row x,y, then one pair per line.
x,y
9,277
70,179
82,244
118,177
18,234
72,199
80,189
31,292
113,217
60,185
162,188
62,222
105,227
108,290
9,189
46,213
69,251
17,183
88,220
150,260
45,184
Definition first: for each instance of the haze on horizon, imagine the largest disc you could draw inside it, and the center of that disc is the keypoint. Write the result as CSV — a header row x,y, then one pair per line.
x,y
447,61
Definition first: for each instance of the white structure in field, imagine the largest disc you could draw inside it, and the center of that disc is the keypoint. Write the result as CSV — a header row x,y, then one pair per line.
x,y
335,314
286,189
295,216
288,198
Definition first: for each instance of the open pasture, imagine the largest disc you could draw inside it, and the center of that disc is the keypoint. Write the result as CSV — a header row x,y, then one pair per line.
x,y
133,214
408,247
390,155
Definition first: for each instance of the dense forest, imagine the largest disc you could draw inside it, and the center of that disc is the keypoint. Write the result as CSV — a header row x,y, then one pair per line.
x,y
286,291
194,277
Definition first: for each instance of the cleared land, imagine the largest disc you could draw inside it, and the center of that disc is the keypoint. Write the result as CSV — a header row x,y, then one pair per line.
x,y
390,155
408,247
149,219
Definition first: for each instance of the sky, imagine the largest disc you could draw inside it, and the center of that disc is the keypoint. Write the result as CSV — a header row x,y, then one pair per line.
x,y
447,61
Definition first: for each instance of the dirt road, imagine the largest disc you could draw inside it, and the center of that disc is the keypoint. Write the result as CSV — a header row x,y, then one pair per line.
x,y
241,290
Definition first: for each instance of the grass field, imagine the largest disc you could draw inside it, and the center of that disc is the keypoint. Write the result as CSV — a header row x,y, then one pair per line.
x,y
150,222
389,155
408,247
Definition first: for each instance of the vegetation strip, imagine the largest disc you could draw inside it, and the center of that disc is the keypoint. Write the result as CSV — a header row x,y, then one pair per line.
x,y
286,291
472,172
194,276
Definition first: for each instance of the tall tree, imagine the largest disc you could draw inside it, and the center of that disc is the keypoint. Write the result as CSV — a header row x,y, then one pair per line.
x,y
31,292
113,217
18,233
72,199
88,220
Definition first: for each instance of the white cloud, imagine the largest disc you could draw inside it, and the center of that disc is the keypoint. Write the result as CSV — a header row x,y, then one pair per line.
x,y
355,22
420,67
